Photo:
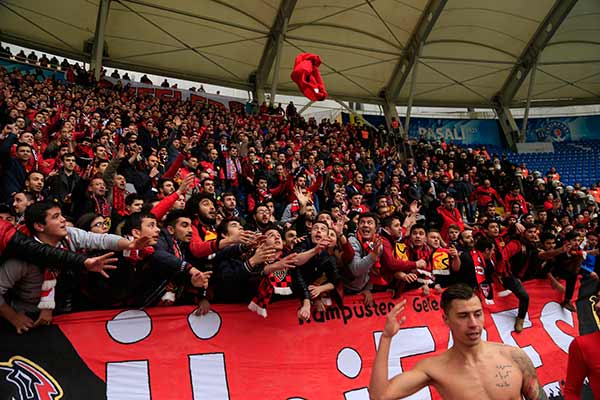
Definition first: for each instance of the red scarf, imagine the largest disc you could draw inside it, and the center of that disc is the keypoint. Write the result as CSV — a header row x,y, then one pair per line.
x,y
375,274
119,201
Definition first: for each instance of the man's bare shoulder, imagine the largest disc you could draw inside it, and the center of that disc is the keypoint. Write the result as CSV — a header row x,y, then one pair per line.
x,y
492,349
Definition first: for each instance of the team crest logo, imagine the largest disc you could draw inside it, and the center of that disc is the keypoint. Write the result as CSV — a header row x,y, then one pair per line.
x,y
22,379
558,131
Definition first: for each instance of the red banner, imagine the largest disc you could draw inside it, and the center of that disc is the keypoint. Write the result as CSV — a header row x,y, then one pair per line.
x,y
232,353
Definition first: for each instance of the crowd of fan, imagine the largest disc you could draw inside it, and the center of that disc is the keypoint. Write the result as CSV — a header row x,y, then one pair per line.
x,y
197,204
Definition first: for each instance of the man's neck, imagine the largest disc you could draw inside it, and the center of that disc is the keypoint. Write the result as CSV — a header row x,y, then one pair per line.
x,y
471,354
52,241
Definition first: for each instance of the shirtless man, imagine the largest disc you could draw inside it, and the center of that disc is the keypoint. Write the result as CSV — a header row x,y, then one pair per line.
x,y
471,369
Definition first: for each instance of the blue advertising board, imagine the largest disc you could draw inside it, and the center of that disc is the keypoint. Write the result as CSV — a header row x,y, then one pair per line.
x,y
487,131
562,129
459,131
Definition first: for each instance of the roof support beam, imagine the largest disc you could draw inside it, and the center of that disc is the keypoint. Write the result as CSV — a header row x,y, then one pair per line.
x,y
98,49
529,94
306,107
273,46
532,51
508,126
275,80
407,60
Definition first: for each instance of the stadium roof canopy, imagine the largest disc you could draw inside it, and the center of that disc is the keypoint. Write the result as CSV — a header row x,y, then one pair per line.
x,y
469,52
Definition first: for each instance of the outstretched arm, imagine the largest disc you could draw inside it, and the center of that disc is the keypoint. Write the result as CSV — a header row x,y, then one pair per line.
x,y
402,385
531,388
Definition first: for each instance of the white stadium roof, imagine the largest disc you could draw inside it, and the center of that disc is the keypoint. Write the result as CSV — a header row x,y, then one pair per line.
x,y
473,53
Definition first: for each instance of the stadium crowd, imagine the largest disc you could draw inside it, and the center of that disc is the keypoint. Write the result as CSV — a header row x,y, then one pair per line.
x,y
148,202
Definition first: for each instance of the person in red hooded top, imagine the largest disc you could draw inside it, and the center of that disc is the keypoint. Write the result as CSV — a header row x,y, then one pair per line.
x,y
515,196
450,215
584,360
485,194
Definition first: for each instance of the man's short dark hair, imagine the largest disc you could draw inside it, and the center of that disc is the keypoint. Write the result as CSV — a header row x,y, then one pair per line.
x,y
458,291
23,144
228,194
546,235
134,221
36,214
263,204
388,221
35,171
162,181
482,244
191,206
173,216
224,225
100,161
487,223
68,155
369,215
417,226
206,180
7,209
130,198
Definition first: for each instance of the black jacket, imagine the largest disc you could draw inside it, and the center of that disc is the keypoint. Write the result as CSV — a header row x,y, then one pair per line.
x,y
233,280
12,174
305,275
34,252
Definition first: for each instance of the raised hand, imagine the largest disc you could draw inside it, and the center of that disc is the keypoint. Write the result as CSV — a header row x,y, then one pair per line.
x,y
101,264
200,279
394,320
139,243
191,144
153,172
377,247
338,227
186,183
262,255
121,153
302,198
414,207
453,252
283,264
299,240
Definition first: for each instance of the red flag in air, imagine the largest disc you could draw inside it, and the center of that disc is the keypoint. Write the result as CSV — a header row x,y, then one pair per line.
x,y
307,76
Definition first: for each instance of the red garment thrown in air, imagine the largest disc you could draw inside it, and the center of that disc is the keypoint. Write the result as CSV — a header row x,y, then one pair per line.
x,y
308,78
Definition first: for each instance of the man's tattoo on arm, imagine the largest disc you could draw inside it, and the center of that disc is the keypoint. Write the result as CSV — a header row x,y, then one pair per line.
x,y
532,390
